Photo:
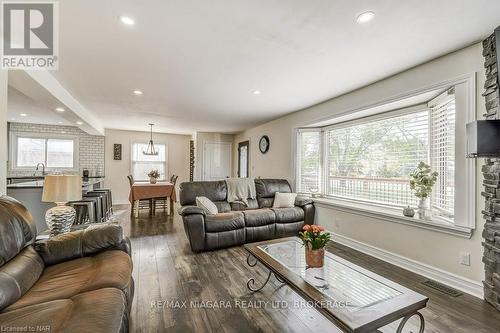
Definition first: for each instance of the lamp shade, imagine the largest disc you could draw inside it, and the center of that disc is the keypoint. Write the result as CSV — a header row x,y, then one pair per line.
x,y
62,188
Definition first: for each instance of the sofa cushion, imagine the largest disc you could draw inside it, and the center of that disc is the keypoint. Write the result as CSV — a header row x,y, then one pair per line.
x,y
224,222
239,206
219,240
207,205
67,279
215,191
287,215
16,228
259,217
284,200
266,188
97,311
288,229
19,275
222,206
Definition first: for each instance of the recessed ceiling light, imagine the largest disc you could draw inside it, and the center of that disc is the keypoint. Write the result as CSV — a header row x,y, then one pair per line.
x,y
365,17
127,20
79,123
137,92
23,114
63,132
256,92
59,122
60,109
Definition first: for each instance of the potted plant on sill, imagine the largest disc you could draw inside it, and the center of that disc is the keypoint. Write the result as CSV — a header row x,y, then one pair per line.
x,y
314,239
153,176
422,179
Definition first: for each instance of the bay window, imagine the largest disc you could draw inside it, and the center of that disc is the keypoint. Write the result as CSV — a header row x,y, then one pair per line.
x,y
368,160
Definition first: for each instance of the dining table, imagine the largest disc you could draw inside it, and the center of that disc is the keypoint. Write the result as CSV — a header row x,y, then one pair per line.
x,y
158,190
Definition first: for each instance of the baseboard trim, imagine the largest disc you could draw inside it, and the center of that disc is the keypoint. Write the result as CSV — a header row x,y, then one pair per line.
x,y
465,285
121,203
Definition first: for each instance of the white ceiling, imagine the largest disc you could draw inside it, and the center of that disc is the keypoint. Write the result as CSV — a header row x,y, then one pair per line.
x,y
199,61
36,112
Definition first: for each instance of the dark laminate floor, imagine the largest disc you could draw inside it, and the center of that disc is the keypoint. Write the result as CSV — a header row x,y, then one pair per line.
x,y
168,273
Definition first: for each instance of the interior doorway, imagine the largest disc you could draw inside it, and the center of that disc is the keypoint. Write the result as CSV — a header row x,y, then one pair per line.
x,y
243,159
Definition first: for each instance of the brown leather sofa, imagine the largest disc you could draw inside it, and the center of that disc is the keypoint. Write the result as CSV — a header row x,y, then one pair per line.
x,y
76,282
237,224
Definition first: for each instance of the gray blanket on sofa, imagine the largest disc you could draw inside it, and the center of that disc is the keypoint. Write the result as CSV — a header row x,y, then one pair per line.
x,y
240,190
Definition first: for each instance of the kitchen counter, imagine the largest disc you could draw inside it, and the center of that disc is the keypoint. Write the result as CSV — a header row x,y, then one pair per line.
x,y
39,183
30,194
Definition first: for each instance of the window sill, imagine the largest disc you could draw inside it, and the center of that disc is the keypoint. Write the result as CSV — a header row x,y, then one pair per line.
x,y
392,215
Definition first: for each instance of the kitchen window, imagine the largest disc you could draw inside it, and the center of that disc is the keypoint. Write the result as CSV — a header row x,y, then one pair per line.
x,y
142,164
56,152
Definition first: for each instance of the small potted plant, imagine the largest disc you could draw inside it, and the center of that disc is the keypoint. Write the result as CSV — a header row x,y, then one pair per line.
x,y
153,176
314,239
422,179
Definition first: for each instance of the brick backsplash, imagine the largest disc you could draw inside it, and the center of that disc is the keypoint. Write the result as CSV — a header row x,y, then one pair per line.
x,y
91,146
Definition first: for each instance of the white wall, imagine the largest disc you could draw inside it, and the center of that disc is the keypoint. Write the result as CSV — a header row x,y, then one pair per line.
x,y
117,171
3,131
432,248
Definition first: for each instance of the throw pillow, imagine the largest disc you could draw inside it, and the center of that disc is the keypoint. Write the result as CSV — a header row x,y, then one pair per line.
x,y
284,200
207,205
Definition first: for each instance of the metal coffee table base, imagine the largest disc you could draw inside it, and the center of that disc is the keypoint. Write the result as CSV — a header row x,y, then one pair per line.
x,y
405,319
252,262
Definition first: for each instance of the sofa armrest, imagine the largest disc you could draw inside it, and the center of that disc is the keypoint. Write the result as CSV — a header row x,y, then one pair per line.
x,y
302,201
307,205
81,243
191,210
194,226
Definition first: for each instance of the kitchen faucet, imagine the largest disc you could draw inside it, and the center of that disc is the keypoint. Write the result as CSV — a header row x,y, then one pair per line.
x,y
43,168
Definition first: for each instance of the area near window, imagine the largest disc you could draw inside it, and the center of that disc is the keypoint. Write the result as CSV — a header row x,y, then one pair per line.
x,y
56,152
142,164
368,160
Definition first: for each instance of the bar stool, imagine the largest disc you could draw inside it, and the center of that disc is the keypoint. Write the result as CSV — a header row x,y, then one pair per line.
x,y
104,203
85,212
96,202
101,204
109,201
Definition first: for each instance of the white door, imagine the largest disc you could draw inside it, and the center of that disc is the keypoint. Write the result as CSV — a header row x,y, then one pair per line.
x,y
217,160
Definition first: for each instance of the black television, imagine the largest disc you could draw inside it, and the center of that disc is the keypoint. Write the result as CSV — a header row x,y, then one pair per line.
x,y
483,138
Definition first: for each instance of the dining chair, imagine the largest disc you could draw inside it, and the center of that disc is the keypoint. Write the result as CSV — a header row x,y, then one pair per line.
x,y
144,203
163,201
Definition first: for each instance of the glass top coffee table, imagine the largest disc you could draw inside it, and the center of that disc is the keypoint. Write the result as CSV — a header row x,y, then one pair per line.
x,y
355,299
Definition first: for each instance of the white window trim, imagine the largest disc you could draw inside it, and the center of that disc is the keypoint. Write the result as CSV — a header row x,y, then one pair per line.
x,y
131,165
464,229
13,150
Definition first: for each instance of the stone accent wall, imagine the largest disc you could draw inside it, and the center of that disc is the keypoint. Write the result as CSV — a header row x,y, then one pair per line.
x,y
491,176
91,146
191,160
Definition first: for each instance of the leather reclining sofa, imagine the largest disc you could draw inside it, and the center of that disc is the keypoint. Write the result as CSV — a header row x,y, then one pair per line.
x,y
76,282
236,223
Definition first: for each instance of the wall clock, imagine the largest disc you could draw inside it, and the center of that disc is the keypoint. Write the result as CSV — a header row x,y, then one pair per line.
x,y
264,144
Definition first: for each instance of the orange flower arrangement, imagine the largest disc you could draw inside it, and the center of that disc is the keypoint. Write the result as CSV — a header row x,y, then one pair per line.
x,y
313,236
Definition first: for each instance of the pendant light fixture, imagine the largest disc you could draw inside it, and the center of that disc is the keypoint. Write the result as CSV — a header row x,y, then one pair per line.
x,y
151,151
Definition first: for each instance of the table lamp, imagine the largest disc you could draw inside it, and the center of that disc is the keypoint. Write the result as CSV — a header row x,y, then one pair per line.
x,y
61,189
